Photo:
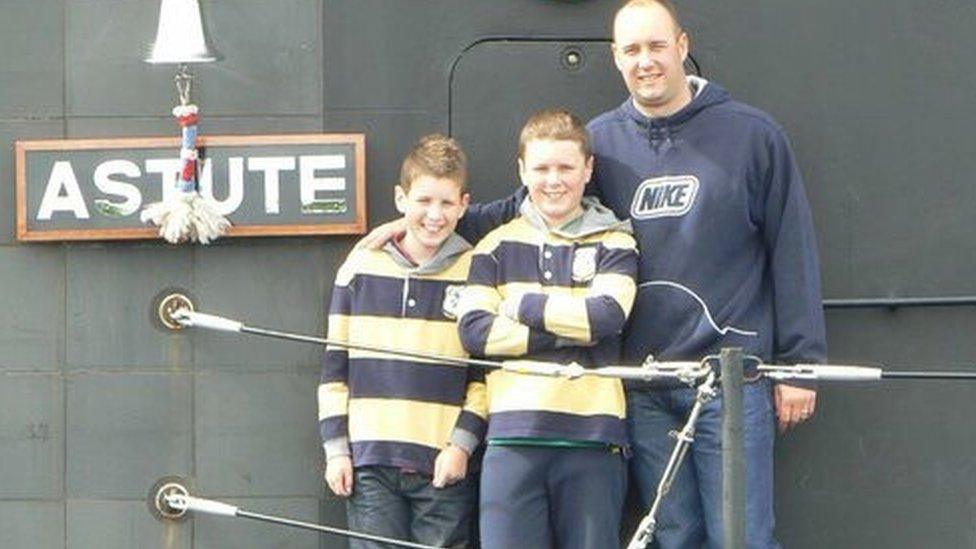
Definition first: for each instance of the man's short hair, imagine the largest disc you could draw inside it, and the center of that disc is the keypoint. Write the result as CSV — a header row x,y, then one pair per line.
x,y
434,155
557,125
666,4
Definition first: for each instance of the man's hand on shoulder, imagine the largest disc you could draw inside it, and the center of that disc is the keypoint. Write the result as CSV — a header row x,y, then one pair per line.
x,y
383,234
794,405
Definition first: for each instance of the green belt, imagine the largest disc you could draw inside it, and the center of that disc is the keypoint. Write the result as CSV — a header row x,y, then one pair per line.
x,y
550,443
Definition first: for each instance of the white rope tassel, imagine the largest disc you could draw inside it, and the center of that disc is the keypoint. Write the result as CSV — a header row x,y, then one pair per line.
x,y
172,216
206,223
186,216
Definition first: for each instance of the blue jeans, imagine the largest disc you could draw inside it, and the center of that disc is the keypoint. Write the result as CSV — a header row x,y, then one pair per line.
x,y
538,498
691,513
389,502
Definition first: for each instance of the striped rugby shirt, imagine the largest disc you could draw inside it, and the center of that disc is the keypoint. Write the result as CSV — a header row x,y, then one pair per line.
x,y
560,295
389,410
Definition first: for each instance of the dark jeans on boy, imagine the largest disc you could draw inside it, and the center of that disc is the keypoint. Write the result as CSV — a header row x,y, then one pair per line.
x,y
387,501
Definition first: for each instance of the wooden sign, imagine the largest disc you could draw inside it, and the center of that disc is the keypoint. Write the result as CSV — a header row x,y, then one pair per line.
x,y
266,185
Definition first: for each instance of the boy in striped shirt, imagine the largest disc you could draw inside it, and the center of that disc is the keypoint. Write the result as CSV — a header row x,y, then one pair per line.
x,y
555,284
398,432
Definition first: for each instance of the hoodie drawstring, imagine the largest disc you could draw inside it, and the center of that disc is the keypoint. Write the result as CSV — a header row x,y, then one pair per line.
x,y
658,135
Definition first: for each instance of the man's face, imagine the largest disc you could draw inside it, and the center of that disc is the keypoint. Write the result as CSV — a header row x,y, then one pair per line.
x,y
555,173
650,51
431,208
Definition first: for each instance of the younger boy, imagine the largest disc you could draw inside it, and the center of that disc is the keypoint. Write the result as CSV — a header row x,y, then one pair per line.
x,y
554,284
398,431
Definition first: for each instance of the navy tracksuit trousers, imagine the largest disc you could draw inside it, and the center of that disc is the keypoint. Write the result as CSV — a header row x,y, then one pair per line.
x,y
535,497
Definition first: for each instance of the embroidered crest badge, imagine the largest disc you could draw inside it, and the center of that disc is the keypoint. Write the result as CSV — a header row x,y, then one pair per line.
x,y
584,264
452,296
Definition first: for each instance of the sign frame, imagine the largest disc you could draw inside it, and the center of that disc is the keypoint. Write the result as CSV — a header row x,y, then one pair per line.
x,y
148,232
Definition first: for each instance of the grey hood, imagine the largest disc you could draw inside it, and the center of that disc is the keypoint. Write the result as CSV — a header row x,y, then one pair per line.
x,y
596,218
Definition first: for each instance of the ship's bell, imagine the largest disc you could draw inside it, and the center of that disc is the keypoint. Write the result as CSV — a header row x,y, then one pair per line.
x,y
180,37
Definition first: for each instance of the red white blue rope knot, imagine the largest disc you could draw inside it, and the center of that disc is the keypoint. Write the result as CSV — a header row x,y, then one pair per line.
x,y
186,116
184,215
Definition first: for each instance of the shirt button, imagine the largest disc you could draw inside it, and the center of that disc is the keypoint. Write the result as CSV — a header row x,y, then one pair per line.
x,y
411,302
547,275
547,254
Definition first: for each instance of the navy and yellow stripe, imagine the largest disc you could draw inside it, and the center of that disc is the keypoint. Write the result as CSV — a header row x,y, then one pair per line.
x,y
385,409
586,408
405,334
382,296
540,424
574,298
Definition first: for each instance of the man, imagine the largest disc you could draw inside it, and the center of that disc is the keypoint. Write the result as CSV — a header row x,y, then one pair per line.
x,y
721,219
728,258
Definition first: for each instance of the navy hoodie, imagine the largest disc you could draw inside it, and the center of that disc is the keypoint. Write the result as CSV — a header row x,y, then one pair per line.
x,y
728,254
